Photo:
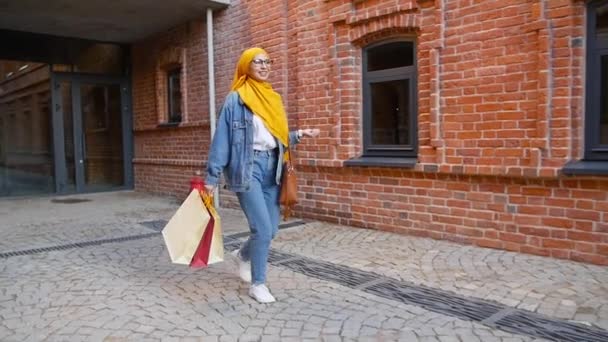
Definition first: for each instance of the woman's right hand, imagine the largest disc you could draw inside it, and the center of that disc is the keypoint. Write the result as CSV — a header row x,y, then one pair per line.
x,y
209,189
310,132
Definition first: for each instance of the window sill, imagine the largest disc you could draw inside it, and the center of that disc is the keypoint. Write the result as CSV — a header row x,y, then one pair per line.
x,y
382,162
585,167
168,124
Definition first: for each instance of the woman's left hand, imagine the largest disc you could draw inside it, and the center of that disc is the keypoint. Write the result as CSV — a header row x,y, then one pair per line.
x,y
310,132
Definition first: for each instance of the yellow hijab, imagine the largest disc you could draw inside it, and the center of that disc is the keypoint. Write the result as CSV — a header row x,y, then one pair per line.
x,y
261,99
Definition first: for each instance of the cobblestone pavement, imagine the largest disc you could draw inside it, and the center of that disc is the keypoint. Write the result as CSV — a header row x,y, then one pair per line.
x,y
98,271
557,288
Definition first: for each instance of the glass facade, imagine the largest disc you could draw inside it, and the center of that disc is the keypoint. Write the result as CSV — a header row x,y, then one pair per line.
x,y
26,146
61,117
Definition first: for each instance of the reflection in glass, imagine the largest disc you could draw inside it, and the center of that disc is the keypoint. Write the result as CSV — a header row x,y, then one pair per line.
x,y
390,55
100,58
93,58
390,112
65,89
102,136
26,153
62,67
175,95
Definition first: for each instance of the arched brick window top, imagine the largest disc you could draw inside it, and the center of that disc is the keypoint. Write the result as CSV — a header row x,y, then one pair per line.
x,y
403,23
393,33
171,56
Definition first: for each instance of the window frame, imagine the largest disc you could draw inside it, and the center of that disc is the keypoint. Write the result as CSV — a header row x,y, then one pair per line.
x,y
408,73
172,117
596,48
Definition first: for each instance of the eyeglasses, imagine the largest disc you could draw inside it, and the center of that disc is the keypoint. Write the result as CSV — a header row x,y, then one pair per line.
x,y
262,61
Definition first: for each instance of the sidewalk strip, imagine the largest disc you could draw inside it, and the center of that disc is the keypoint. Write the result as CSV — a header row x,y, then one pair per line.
x,y
156,225
75,245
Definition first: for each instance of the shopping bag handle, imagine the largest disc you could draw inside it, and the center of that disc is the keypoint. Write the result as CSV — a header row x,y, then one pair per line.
x,y
207,199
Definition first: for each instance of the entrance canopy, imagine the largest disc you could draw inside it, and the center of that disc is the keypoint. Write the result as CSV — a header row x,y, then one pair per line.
x,y
118,21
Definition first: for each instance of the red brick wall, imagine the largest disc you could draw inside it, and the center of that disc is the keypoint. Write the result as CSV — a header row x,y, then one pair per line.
x,y
166,157
500,111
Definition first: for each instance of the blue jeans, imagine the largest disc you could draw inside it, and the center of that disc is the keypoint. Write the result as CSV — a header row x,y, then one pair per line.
x,y
261,207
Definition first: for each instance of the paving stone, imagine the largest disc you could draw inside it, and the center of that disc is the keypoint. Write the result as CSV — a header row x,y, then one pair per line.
x,y
310,333
271,338
249,338
296,339
448,339
367,331
229,338
428,339
290,332
408,336
209,339
254,331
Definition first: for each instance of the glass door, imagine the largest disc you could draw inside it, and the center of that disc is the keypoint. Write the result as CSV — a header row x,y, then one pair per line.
x,y
94,124
100,157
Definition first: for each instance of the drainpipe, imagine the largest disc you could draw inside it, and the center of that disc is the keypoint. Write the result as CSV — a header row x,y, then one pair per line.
x,y
211,73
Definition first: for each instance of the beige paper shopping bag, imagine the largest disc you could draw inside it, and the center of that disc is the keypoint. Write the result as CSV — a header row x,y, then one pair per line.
x,y
211,247
184,231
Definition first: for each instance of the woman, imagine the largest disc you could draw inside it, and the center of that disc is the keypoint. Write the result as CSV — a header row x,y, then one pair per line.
x,y
249,145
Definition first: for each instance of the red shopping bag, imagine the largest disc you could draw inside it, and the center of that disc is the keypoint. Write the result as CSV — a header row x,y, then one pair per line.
x,y
211,247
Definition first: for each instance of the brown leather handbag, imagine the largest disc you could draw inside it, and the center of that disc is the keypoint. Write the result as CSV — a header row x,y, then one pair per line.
x,y
288,197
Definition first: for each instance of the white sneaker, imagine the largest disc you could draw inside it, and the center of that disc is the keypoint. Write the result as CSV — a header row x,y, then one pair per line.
x,y
244,267
261,294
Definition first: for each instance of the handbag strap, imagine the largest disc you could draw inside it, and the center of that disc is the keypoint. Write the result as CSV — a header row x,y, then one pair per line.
x,y
288,209
289,155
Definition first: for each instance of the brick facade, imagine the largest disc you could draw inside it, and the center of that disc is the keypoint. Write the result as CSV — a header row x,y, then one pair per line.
x,y
500,112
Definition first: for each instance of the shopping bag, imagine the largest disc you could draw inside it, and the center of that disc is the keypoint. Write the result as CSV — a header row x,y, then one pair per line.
x,y
211,247
184,231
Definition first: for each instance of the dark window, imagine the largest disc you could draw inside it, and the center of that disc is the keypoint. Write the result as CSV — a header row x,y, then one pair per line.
x,y
174,96
596,123
390,55
389,100
604,100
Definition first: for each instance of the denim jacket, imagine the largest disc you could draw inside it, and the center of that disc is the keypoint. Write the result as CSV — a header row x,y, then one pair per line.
x,y
231,150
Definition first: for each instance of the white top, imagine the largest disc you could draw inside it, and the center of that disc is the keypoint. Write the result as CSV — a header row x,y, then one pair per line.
x,y
262,139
